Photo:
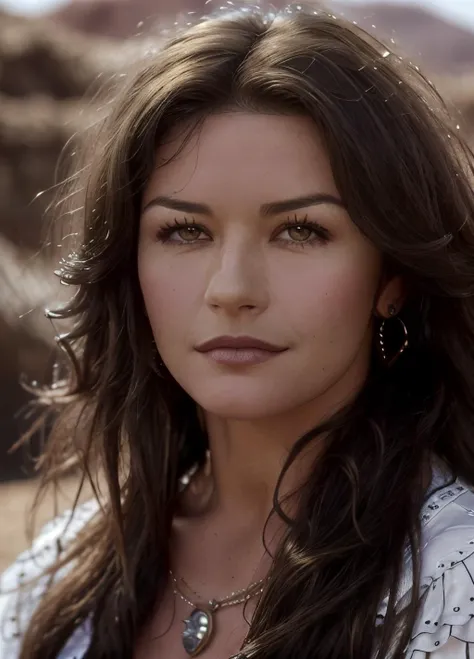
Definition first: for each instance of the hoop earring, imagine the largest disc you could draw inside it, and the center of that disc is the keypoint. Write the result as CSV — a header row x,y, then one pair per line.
x,y
389,361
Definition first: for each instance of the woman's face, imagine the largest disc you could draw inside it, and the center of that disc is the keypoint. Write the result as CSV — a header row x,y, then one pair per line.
x,y
243,234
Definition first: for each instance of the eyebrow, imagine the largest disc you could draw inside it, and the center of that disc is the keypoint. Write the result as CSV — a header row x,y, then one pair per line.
x,y
178,205
271,208
288,205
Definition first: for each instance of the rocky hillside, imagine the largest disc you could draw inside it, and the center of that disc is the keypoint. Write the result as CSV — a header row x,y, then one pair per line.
x,y
434,43
46,74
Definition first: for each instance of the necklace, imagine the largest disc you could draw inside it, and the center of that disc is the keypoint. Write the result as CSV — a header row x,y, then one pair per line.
x,y
199,626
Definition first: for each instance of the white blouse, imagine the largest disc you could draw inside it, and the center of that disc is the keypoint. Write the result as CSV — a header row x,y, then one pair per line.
x,y
445,625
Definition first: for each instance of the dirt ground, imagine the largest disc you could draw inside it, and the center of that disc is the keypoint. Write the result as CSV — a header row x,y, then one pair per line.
x,y
15,500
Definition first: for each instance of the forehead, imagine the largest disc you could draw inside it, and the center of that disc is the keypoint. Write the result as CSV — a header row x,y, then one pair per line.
x,y
236,154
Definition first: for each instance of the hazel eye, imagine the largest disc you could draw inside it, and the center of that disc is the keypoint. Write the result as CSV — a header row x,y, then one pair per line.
x,y
303,232
300,233
183,232
188,233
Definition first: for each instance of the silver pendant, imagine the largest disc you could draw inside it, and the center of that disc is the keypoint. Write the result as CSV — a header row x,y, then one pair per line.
x,y
198,631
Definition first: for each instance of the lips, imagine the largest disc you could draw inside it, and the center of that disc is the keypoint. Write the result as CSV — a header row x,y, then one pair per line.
x,y
238,343
239,351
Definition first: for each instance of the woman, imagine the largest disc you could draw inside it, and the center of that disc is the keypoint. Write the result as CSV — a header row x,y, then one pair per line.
x,y
273,363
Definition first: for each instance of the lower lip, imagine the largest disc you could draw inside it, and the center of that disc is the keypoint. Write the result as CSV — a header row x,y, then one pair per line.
x,y
240,356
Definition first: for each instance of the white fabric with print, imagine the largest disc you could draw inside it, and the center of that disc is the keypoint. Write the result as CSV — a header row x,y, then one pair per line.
x,y
29,565
445,625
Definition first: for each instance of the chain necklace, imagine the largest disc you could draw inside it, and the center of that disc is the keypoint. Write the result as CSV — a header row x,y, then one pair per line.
x,y
199,626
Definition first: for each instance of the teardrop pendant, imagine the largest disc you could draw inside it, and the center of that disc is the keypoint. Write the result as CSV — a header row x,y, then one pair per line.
x,y
198,631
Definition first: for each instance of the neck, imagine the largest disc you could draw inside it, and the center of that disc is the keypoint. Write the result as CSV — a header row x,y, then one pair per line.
x,y
225,510
248,457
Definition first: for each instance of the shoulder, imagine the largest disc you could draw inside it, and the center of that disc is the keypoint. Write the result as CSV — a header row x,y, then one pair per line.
x,y
445,624
17,604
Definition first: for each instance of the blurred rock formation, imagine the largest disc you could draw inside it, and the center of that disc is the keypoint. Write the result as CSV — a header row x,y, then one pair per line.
x,y
434,43
46,76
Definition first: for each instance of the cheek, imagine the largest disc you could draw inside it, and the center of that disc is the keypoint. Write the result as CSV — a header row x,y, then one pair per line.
x,y
335,297
170,295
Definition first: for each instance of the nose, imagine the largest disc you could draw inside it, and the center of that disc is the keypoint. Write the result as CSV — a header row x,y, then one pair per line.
x,y
238,280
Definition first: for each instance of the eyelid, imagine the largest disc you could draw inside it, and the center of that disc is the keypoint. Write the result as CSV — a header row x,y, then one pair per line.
x,y
165,232
322,231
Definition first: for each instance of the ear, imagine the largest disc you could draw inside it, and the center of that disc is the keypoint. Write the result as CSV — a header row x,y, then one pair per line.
x,y
392,293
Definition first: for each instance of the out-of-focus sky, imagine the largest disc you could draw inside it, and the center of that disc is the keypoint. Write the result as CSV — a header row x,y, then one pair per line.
x,y
459,11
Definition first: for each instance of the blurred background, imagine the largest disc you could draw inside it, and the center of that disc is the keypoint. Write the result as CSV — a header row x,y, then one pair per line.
x,y
52,53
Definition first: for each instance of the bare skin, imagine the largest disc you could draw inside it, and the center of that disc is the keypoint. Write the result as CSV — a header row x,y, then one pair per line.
x,y
303,279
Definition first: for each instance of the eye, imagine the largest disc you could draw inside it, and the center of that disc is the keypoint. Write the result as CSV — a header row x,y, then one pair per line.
x,y
302,232
181,232
188,234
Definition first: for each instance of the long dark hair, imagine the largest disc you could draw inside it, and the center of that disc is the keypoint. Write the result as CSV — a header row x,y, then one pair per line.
x,y
405,176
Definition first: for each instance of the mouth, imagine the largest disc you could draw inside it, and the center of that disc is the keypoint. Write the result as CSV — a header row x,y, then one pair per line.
x,y
239,350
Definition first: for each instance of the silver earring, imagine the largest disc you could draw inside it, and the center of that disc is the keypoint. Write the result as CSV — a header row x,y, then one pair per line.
x,y
389,361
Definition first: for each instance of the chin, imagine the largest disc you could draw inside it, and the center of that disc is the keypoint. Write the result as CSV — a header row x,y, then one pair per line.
x,y
243,397
240,405
238,410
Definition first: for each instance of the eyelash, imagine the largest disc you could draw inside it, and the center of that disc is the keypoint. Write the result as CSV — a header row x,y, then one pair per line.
x,y
321,235
164,234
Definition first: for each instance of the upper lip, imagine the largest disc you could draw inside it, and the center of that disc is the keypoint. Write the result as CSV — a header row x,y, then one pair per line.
x,y
235,342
